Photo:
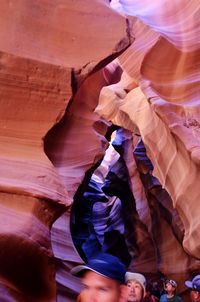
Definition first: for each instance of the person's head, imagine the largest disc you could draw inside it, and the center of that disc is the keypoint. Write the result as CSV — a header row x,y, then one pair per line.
x,y
102,278
170,286
194,286
136,284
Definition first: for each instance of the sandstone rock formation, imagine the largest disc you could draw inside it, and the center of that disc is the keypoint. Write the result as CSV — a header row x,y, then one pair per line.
x,y
99,130
42,45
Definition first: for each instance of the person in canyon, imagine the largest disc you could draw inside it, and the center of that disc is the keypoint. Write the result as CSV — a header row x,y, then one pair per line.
x,y
103,279
136,284
194,287
149,297
170,296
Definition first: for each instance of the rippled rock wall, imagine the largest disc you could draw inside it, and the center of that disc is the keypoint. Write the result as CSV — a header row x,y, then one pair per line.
x,y
99,135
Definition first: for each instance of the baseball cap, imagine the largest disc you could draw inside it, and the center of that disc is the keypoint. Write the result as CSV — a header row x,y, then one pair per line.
x,y
103,264
194,284
137,277
172,282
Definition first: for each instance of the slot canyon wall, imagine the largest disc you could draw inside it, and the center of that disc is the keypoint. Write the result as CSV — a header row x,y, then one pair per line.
x,y
99,141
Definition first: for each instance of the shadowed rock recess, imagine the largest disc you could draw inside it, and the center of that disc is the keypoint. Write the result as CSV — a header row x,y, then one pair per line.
x,y
99,141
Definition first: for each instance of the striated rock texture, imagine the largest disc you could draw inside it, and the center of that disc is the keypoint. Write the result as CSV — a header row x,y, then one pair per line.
x,y
43,44
56,31
99,141
165,105
32,192
157,99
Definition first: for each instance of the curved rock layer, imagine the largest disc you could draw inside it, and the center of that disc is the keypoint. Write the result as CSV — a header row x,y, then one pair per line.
x,y
146,234
96,153
26,258
165,106
39,55
55,31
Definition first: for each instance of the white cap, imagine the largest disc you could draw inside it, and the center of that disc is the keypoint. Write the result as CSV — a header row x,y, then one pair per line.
x,y
136,277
